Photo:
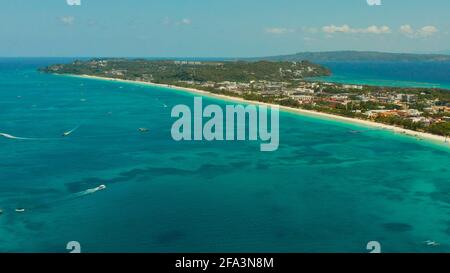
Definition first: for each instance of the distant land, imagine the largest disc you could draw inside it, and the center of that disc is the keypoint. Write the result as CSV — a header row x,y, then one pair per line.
x,y
172,72
356,56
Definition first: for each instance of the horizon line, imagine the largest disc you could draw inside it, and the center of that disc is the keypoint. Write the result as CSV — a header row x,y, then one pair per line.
x,y
240,57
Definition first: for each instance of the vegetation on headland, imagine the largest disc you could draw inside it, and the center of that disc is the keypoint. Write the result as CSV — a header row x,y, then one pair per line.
x,y
174,71
284,83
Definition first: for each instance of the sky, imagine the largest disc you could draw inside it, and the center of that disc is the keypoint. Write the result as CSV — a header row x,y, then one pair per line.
x,y
219,28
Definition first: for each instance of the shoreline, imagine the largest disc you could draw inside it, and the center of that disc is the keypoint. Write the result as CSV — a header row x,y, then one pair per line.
x,y
406,132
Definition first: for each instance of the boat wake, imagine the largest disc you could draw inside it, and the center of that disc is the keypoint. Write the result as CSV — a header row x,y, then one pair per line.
x,y
8,136
15,137
63,199
66,134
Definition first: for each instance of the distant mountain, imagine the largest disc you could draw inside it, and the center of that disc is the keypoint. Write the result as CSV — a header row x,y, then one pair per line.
x,y
357,56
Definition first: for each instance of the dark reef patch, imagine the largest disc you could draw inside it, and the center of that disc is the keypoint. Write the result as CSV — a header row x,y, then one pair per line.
x,y
205,170
398,227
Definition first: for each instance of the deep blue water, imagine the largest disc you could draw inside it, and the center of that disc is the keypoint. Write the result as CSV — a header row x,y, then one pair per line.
x,y
326,189
401,74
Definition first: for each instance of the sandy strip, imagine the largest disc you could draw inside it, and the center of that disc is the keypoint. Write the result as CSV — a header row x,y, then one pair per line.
x,y
411,133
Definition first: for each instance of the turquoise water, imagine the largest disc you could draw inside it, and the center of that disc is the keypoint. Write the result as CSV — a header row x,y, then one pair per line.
x,y
403,74
326,189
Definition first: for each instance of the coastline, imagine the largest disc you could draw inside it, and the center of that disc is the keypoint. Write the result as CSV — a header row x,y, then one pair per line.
x,y
414,134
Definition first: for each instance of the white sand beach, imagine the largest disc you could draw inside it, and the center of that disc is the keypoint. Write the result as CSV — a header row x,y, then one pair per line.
x,y
411,133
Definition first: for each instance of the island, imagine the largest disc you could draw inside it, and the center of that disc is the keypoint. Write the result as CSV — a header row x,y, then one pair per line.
x,y
285,83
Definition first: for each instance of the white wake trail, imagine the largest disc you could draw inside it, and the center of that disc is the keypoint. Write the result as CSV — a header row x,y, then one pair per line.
x,y
14,137
90,191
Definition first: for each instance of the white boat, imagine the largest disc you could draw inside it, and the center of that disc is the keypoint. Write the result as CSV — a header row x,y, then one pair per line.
x,y
143,130
432,243
20,210
100,188
70,132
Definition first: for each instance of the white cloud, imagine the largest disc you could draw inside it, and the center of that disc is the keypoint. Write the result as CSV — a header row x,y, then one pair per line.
x,y
278,30
335,29
169,22
427,31
407,30
423,32
186,21
332,29
377,30
67,20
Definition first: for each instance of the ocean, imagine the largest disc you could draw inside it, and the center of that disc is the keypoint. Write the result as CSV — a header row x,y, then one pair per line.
x,y
396,74
330,187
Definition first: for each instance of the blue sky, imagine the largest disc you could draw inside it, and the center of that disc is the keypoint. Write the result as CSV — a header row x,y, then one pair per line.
x,y
220,28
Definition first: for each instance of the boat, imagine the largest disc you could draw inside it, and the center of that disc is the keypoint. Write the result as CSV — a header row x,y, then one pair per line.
x,y
66,134
20,210
1,211
431,243
100,188
143,130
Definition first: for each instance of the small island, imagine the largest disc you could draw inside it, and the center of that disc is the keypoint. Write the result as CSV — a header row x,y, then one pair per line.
x,y
285,83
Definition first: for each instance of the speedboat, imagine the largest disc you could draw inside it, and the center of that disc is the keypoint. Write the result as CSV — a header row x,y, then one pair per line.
x,y
431,243
20,210
66,134
143,130
101,187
